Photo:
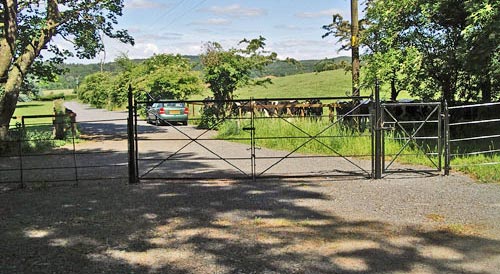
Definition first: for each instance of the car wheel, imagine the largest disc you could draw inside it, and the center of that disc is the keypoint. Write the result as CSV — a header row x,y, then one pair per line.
x,y
184,123
157,121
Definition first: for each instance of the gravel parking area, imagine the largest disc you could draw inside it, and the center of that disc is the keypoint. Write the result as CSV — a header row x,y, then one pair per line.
x,y
410,223
422,225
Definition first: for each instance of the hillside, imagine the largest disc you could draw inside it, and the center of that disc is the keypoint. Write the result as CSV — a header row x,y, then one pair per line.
x,y
333,83
76,72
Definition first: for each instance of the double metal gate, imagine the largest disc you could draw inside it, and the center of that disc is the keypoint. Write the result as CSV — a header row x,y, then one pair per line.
x,y
282,137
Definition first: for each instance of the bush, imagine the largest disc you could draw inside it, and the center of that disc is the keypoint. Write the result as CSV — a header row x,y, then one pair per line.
x,y
51,97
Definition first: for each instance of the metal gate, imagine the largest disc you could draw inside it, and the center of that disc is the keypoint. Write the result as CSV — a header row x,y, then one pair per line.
x,y
411,130
308,137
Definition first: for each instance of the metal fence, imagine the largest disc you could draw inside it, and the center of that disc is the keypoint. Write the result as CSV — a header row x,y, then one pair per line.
x,y
472,130
312,128
33,156
317,131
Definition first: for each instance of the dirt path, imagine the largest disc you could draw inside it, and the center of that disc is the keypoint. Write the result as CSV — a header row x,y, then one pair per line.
x,y
416,223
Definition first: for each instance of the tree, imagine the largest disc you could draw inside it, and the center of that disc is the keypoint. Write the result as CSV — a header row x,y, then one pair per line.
x,y
348,34
162,76
456,42
27,29
387,58
226,70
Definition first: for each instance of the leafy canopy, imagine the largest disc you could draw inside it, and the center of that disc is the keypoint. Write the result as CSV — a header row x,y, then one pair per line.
x,y
162,76
27,32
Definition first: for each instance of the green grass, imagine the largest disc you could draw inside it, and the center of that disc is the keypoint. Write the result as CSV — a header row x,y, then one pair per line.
x,y
475,165
324,84
39,131
33,108
293,136
57,91
332,83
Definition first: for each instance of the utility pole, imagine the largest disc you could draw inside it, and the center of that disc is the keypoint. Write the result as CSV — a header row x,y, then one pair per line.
x,y
355,47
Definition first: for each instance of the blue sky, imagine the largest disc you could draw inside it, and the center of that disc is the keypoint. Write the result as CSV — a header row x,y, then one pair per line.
x,y
292,27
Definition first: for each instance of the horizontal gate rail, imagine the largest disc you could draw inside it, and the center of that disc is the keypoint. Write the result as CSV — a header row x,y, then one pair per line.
x,y
482,121
408,138
246,107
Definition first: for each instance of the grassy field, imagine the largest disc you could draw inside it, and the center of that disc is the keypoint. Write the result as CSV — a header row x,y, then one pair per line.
x,y
57,91
292,135
324,84
33,108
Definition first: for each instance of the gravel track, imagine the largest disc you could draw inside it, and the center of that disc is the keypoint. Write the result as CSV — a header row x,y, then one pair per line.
x,y
403,223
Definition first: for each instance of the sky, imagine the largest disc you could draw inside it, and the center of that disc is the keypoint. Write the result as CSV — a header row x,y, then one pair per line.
x,y
292,28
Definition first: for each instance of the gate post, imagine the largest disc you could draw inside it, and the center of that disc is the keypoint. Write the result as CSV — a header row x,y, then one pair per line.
x,y
132,175
252,138
446,139
378,133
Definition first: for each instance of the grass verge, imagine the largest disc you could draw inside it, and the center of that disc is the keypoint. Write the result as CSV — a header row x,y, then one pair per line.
x,y
294,134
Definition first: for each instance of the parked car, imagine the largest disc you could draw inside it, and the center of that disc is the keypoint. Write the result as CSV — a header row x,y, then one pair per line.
x,y
167,113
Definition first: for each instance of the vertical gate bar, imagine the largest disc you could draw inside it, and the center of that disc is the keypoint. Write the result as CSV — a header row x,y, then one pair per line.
x,y
382,119
73,133
446,139
372,131
136,143
130,136
20,145
252,138
378,132
440,139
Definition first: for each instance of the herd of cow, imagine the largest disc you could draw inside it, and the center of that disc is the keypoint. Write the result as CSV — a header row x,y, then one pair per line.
x,y
293,108
351,113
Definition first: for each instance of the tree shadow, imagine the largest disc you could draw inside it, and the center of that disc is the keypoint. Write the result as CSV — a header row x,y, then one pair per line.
x,y
220,226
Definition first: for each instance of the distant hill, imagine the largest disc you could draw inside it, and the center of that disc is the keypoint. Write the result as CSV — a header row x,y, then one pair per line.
x,y
76,72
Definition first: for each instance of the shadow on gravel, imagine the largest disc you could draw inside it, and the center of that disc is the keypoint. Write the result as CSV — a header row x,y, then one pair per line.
x,y
113,130
217,227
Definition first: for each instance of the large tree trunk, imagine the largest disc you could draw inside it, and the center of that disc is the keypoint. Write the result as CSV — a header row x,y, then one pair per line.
x,y
12,69
485,86
7,41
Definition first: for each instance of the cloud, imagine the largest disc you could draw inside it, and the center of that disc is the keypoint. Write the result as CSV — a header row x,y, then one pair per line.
x,y
169,36
316,14
146,49
236,10
288,27
213,22
304,49
143,4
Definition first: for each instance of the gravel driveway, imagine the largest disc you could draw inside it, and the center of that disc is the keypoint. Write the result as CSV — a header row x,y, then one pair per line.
x,y
411,223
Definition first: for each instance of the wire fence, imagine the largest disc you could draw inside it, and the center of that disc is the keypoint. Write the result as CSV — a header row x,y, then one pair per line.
x,y
473,131
42,154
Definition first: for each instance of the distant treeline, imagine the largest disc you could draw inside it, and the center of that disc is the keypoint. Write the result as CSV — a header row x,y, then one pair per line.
x,y
75,73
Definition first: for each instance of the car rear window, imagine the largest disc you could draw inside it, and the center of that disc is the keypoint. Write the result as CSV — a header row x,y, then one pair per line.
x,y
179,105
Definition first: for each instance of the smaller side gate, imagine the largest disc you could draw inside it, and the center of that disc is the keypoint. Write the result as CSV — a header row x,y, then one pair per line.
x,y
412,130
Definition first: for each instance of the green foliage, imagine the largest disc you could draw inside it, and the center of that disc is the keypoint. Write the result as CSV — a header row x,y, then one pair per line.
x,y
227,70
51,97
208,119
443,49
95,89
329,64
26,41
161,76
